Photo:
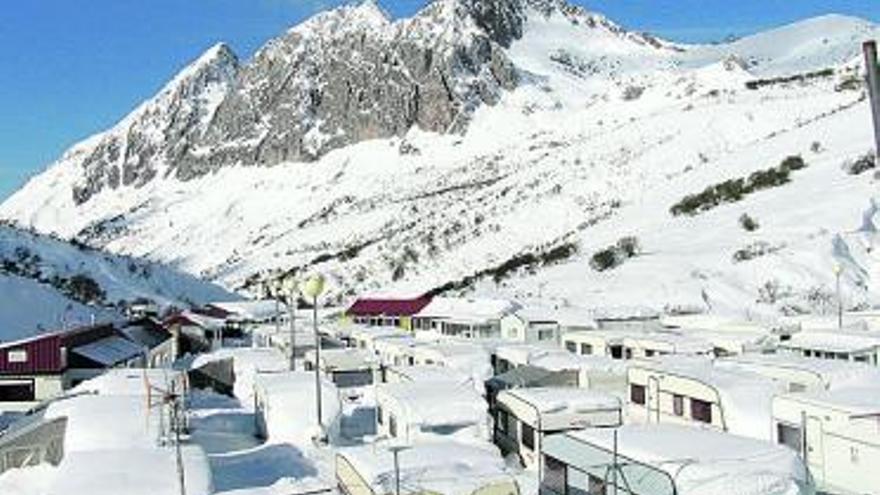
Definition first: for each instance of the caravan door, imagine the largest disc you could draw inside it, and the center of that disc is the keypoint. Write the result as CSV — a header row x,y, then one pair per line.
x,y
815,449
653,402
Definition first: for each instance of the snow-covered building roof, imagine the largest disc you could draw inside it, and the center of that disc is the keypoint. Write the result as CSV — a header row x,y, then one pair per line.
x,y
625,313
697,461
833,373
863,401
467,309
431,404
446,468
109,351
560,360
561,400
431,374
131,381
344,359
677,343
258,310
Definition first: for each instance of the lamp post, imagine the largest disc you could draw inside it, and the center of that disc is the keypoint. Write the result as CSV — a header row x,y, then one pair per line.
x,y
838,269
291,289
395,451
313,288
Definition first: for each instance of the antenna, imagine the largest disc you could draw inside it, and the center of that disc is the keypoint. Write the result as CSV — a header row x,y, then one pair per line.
x,y
172,400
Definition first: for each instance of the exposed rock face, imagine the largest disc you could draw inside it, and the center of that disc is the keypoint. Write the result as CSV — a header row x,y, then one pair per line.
x,y
159,132
344,76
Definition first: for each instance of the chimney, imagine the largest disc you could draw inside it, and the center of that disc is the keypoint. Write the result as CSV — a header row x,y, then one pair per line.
x,y
870,48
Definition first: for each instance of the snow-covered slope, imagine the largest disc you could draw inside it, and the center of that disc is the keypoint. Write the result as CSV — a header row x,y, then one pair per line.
x,y
602,132
48,284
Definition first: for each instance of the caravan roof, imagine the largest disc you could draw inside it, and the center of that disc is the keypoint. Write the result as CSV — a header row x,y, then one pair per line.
x,y
858,401
557,400
445,468
698,461
435,403
833,373
845,341
345,359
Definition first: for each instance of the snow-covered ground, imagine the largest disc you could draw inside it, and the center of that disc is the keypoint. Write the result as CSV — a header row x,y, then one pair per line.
x,y
48,284
604,134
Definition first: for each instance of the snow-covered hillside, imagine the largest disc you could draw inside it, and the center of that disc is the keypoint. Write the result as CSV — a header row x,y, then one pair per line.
x,y
47,284
604,131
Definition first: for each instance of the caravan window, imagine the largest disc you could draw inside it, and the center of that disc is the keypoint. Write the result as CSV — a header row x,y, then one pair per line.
x,y
701,410
502,421
788,435
616,352
555,476
392,425
678,405
586,349
571,347
527,436
637,394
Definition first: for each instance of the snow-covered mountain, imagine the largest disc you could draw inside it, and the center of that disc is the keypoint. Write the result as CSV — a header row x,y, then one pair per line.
x,y
48,284
498,146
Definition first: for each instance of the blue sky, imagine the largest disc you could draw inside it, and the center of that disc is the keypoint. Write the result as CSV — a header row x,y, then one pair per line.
x,y
71,68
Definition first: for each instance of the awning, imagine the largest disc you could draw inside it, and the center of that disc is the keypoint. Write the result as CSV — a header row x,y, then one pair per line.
x,y
109,351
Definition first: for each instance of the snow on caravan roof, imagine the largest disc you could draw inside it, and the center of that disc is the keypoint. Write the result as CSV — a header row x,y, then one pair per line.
x,y
858,401
834,341
565,399
746,397
446,468
432,404
430,373
251,310
701,461
834,373
461,309
565,316
563,360
679,343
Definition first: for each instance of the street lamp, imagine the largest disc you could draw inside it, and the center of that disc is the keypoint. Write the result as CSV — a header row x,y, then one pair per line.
x,y
838,270
291,289
395,451
313,288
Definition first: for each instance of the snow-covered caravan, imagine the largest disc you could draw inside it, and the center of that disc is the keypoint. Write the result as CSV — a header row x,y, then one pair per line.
x,y
838,435
465,318
286,410
508,357
801,374
632,344
426,374
417,412
397,351
592,372
346,368
524,416
729,337
692,391
668,460
530,325
471,359
844,345
366,337
439,469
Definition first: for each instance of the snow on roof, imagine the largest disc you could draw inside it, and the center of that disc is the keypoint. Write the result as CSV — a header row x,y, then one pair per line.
x,y
289,410
680,343
472,310
858,401
344,359
447,468
365,332
701,461
259,310
565,316
563,360
843,341
130,381
429,373
622,313
746,397
559,400
522,353
109,351
106,422
834,373
430,404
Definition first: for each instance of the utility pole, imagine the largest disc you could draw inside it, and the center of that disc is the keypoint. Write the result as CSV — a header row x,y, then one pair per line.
x,y
871,68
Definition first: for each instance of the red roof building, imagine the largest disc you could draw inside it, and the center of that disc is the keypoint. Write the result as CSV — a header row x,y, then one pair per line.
x,y
388,312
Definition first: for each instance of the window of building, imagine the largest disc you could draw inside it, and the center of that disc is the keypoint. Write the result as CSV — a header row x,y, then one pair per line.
x,y
502,422
861,359
555,478
571,347
379,414
629,353
616,352
586,349
17,391
17,356
637,394
544,335
788,435
701,410
678,405
649,352
808,353
527,436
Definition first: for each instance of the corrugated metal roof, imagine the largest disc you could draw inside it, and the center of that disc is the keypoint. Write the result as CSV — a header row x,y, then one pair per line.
x,y
388,307
109,351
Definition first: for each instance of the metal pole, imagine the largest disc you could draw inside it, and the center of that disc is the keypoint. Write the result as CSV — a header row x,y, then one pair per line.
x,y
839,304
614,473
870,48
317,361
396,473
292,308
277,314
